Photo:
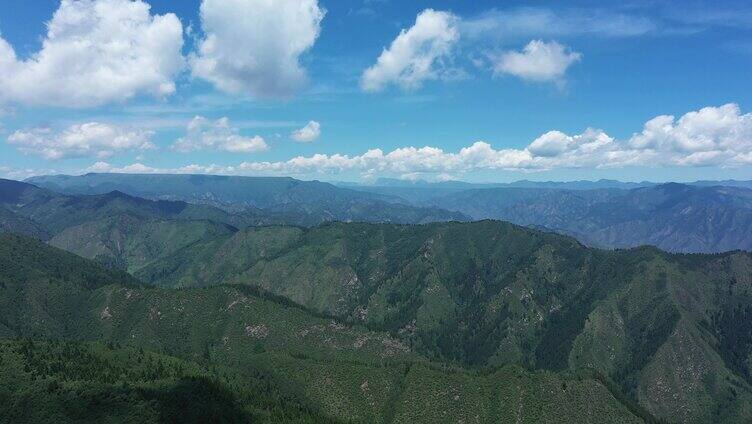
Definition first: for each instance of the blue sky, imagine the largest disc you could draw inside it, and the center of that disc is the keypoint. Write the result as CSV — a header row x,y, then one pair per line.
x,y
532,89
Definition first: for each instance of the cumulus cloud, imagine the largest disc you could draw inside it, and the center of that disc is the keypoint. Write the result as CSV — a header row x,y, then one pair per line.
x,y
81,140
418,54
538,61
718,136
202,134
704,129
254,46
95,52
307,134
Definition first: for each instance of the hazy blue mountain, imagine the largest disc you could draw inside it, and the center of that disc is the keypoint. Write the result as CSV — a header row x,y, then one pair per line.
x,y
54,212
395,182
298,202
422,193
725,183
698,217
564,185
673,217
567,185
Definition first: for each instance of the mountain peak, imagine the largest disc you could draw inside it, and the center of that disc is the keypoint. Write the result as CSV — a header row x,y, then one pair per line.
x,y
117,194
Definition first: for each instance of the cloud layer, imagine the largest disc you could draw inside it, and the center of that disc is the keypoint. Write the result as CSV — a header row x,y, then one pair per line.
x,y
95,52
81,140
253,47
417,54
203,134
718,136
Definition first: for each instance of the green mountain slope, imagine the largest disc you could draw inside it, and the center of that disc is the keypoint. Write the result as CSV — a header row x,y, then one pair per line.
x,y
60,382
11,222
130,243
491,293
246,352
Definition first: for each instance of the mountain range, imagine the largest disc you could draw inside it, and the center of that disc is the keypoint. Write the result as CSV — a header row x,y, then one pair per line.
x,y
562,185
489,294
673,217
233,353
482,321
294,201
701,217
130,232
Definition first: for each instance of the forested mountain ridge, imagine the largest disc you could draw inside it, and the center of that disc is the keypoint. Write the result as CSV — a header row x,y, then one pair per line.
x,y
690,218
243,356
129,232
492,293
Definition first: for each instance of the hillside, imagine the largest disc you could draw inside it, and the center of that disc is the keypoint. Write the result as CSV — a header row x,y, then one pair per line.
x,y
490,293
242,352
57,382
130,243
296,202
11,222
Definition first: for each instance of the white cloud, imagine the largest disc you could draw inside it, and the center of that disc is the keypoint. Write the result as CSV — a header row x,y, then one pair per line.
x,y
95,52
140,168
418,54
81,140
538,61
202,133
718,136
709,128
541,22
136,168
552,143
254,46
307,134
13,173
